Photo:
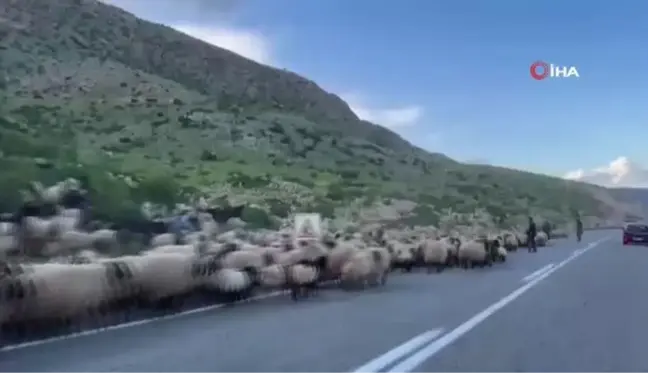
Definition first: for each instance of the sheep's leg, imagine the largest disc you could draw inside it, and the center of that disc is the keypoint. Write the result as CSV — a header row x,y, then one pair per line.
x,y
383,279
440,267
294,292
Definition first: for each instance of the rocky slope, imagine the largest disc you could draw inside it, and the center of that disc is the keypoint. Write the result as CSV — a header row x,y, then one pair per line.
x,y
90,85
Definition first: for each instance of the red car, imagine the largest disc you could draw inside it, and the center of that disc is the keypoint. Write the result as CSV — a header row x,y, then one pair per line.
x,y
635,233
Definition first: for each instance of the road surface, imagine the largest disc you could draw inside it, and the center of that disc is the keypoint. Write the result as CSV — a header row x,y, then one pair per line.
x,y
569,307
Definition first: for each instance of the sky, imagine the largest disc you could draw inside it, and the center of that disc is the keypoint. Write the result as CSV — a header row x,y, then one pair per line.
x,y
452,76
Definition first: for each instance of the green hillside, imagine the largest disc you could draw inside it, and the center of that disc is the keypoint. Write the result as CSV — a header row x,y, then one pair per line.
x,y
89,89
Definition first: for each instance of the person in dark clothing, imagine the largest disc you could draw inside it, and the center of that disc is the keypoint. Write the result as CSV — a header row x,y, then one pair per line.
x,y
579,229
532,231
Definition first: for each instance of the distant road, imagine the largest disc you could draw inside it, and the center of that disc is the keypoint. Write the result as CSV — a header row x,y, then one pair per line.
x,y
570,307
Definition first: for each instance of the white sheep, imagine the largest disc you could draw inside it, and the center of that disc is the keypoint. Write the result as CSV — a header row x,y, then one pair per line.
x,y
541,239
357,270
434,253
163,278
472,253
163,239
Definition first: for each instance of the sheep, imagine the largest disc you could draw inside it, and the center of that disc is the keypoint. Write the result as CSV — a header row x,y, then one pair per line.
x,y
473,253
7,228
337,257
163,239
8,245
164,278
104,240
272,276
452,244
194,248
357,271
510,241
68,241
301,279
522,239
58,293
403,255
382,264
541,239
54,193
233,283
244,260
435,254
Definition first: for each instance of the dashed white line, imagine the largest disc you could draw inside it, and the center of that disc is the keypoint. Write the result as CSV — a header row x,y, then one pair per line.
x,y
393,355
538,272
434,347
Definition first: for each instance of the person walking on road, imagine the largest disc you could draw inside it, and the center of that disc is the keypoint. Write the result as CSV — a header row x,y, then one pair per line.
x,y
531,232
579,229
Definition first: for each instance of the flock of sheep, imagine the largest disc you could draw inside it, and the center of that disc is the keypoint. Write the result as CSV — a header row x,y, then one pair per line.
x,y
71,278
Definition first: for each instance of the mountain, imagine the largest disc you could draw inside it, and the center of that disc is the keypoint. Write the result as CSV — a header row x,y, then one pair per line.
x,y
90,89
632,196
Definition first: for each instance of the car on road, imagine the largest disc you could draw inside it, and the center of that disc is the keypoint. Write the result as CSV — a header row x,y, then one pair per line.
x,y
635,233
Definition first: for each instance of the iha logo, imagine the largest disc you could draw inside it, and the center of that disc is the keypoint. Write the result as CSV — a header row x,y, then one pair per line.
x,y
541,70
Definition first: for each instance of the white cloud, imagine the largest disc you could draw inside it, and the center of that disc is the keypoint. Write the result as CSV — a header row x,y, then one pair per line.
x,y
247,43
621,172
395,117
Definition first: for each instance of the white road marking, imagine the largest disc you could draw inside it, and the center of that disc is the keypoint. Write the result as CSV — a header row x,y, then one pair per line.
x,y
131,324
538,272
393,355
433,348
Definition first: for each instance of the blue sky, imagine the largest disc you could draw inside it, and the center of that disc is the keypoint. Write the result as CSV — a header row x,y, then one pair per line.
x,y
452,76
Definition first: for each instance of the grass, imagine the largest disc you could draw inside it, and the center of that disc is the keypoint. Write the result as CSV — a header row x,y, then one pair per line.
x,y
88,88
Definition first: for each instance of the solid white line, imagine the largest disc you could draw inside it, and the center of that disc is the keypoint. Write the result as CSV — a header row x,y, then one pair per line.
x,y
390,357
538,272
131,324
427,352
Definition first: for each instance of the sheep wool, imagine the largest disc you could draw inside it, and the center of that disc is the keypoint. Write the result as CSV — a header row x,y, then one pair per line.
x,y
473,253
163,275
243,259
381,265
357,270
164,239
435,254
541,239
272,276
228,280
337,257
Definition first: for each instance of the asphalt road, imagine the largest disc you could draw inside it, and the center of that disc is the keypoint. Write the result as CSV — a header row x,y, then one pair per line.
x,y
569,307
